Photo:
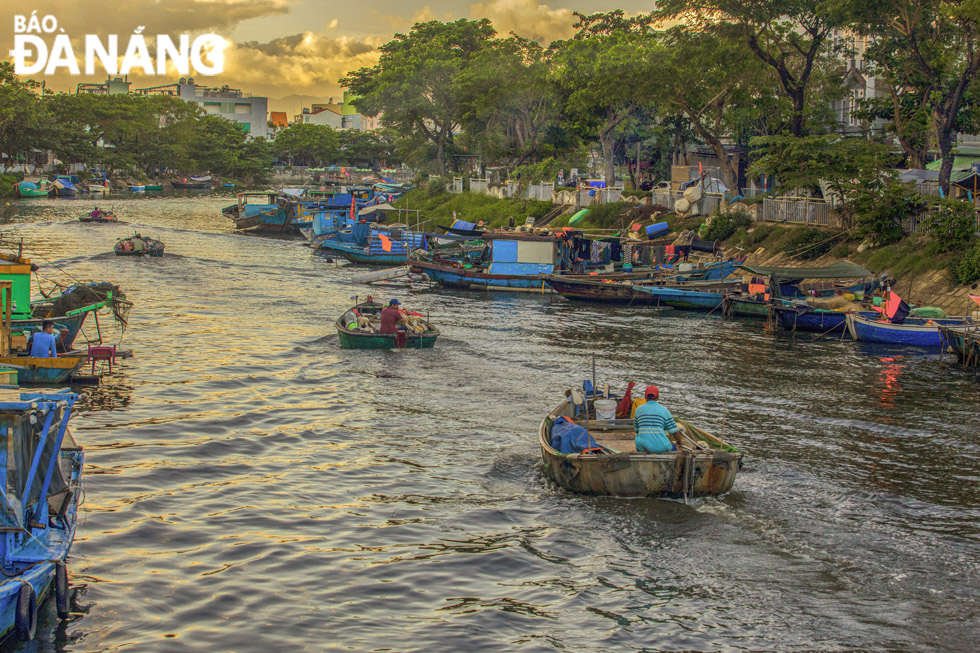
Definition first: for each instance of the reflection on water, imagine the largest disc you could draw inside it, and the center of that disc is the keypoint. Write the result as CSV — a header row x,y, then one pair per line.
x,y
250,486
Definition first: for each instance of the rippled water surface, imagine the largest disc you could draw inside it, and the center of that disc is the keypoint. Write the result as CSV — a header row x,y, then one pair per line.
x,y
251,487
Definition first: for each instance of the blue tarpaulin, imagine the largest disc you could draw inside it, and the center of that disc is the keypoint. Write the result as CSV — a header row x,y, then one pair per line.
x,y
567,437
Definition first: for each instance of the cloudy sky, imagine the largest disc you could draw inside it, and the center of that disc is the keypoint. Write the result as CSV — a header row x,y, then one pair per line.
x,y
282,48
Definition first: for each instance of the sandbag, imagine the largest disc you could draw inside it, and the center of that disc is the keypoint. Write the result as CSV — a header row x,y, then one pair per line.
x,y
682,205
693,194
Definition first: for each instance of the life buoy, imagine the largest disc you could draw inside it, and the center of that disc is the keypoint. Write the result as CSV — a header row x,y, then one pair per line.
x,y
25,617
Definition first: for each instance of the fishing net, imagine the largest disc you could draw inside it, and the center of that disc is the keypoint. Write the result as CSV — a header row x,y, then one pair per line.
x,y
80,295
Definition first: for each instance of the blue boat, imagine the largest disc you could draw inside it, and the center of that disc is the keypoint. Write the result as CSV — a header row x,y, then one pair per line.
x,y
802,317
695,300
911,333
517,262
372,244
41,481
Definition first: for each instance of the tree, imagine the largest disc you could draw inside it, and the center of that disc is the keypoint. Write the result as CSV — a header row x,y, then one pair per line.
x,y
848,167
22,116
789,36
706,80
309,144
933,52
508,102
416,83
602,75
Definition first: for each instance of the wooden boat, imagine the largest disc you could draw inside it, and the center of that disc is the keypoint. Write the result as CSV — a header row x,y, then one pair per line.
x,y
803,317
703,466
911,333
636,293
98,188
42,491
191,185
964,341
153,187
27,189
227,185
137,188
138,246
98,216
356,338
44,371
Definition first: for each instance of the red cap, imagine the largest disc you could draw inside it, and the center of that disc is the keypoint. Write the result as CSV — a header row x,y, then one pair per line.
x,y
652,392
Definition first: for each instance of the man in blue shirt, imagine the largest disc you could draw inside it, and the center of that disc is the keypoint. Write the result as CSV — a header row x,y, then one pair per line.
x,y
44,344
653,422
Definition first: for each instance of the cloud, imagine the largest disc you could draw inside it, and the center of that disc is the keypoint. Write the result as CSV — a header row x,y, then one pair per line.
x,y
531,19
299,63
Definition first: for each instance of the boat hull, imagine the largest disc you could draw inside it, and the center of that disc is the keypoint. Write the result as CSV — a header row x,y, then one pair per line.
x,y
43,371
357,254
673,474
921,334
181,185
818,321
460,278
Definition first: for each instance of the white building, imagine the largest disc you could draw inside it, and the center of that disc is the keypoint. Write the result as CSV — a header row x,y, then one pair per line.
x,y
320,114
248,112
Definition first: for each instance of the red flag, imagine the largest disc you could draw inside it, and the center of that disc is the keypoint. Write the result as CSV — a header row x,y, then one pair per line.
x,y
700,170
385,242
975,298
353,213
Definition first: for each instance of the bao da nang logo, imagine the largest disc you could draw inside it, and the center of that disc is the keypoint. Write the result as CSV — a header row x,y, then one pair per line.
x,y
33,43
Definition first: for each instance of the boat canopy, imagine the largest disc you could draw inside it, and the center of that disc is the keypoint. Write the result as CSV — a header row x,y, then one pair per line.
x,y
371,210
839,270
204,178
33,431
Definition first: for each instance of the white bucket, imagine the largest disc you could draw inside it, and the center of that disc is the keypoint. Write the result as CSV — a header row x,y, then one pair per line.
x,y
605,409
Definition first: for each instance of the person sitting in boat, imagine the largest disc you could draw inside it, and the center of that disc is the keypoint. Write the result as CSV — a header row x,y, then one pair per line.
x,y
653,422
44,344
392,319
96,212
138,244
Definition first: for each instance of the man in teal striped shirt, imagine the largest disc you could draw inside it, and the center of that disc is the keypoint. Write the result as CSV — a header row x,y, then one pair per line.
x,y
653,422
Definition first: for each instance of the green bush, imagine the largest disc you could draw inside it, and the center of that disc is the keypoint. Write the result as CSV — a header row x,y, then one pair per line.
x,y
724,225
953,225
637,193
880,213
758,235
7,182
808,244
967,268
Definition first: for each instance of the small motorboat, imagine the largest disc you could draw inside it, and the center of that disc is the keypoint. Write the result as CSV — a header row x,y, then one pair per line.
x,y
359,328
40,188
98,215
153,187
703,465
137,245
98,188
137,188
227,185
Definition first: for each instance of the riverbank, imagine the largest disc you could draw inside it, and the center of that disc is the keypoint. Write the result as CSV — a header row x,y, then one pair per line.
x,y
923,272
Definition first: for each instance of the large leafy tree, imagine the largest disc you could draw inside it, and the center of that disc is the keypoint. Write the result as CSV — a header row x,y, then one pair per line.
x,y
603,78
309,144
416,83
789,36
929,51
22,116
708,81
508,101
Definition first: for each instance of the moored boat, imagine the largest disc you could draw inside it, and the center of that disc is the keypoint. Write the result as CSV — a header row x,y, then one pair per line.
x,y
910,333
42,488
137,188
703,465
191,185
964,341
40,188
153,187
358,328
44,371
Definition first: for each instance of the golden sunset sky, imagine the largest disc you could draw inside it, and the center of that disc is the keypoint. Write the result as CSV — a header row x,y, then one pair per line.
x,y
283,48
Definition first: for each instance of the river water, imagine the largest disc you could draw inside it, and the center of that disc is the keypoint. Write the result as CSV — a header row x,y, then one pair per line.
x,y
250,486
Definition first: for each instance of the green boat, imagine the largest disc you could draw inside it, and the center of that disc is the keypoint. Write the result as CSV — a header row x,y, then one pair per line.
x,y
26,189
352,336
153,187
746,306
